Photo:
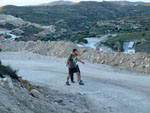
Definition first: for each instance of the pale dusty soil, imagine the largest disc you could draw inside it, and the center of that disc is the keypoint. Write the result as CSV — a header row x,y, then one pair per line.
x,y
106,89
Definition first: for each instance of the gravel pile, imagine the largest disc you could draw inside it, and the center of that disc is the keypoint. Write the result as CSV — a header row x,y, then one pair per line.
x,y
138,62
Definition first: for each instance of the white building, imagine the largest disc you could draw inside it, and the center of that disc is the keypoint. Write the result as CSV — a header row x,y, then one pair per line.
x,y
128,47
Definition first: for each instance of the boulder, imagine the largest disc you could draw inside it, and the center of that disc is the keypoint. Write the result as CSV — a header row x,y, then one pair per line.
x,y
132,65
59,101
6,83
147,65
36,93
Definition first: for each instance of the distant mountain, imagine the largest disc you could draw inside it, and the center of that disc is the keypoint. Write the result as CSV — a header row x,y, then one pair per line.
x,y
77,14
60,2
129,3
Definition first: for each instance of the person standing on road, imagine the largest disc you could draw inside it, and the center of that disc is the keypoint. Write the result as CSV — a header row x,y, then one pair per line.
x,y
73,67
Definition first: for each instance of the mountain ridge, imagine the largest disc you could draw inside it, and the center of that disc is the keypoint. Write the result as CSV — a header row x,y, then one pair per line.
x,y
129,3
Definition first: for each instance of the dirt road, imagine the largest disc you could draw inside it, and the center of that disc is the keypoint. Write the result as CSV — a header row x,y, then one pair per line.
x,y
107,90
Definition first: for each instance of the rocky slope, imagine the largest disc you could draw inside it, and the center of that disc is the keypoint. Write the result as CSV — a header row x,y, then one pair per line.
x,y
18,22
135,62
20,96
26,30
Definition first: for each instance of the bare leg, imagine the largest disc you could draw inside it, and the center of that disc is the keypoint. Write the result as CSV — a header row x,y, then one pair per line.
x,y
79,78
78,75
67,83
68,77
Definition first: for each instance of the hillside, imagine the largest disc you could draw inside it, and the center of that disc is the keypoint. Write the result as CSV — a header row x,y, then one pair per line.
x,y
74,15
142,40
86,19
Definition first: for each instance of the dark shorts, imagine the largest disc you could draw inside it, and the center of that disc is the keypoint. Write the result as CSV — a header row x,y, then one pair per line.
x,y
74,70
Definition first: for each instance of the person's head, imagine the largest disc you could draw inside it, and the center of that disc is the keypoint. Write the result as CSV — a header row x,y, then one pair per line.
x,y
75,52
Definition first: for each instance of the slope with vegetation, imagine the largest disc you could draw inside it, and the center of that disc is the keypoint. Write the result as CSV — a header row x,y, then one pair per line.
x,y
87,19
7,70
142,40
75,15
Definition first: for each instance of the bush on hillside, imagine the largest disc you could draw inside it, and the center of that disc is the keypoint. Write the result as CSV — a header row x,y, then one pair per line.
x,y
7,70
30,30
8,36
7,26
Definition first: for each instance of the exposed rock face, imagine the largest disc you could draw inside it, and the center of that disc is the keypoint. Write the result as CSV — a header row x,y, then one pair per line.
x,y
11,20
18,31
139,62
18,22
60,48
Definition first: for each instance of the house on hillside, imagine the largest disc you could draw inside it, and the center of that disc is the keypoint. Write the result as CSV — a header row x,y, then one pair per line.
x,y
128,47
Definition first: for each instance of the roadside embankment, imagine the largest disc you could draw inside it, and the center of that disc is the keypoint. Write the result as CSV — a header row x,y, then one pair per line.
x,y
21,96
139,62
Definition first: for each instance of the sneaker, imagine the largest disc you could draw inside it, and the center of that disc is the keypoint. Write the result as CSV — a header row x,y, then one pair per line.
x,y
81,83
73,82
67,83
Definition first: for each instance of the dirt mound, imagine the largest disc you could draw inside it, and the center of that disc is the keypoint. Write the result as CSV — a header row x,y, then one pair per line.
x,y
60,48
138,62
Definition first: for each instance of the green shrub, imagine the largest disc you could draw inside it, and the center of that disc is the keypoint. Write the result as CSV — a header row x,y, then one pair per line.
x,y
30,87
7,26
143,34
7,70
83,40
30,30
8,36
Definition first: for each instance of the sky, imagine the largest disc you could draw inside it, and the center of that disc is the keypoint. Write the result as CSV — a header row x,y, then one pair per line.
x,y
35,2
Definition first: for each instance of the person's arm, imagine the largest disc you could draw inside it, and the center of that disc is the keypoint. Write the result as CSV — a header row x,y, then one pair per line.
x,y
68,61
81,61
67,64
